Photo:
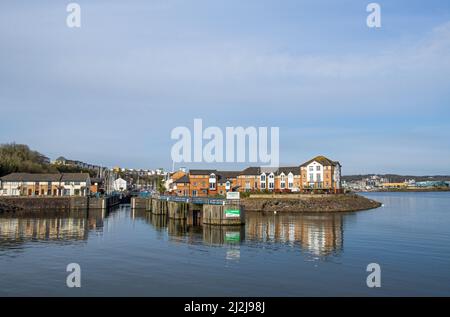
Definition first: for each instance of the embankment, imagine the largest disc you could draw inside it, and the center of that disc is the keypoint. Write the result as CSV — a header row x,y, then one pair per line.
x,y
16,203
7,206
309,203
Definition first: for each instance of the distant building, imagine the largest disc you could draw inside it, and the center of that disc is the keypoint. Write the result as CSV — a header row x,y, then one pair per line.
x,y
432,184
120,184
73,163
395,185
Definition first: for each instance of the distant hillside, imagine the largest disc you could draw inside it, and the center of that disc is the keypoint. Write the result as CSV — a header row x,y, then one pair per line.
x,y
394,178
16,158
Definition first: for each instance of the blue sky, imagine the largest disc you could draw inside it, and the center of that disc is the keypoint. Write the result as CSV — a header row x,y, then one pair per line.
x,y
111,92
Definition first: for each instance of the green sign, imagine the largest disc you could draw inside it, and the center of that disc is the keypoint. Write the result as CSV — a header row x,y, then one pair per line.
x,y
232,236
232,213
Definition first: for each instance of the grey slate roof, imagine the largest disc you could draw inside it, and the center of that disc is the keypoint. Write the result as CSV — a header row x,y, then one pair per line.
x,y
202,172
28,177
74,177
182,180
322,160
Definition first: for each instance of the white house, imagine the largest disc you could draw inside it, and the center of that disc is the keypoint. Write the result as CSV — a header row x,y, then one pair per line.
x,y
26,184
120,184
75,184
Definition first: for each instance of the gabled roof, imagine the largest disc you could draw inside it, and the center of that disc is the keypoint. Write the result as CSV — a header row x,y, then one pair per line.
x,y
182,180
322,160
28,177
286,170
251,171
202,172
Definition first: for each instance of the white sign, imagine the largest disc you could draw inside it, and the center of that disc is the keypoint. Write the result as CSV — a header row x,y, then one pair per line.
x,y
233,195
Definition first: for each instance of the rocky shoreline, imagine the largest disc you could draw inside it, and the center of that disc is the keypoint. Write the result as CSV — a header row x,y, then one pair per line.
x,y
326,203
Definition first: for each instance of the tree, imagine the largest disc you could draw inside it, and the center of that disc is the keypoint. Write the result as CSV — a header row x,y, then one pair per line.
x,y
19,158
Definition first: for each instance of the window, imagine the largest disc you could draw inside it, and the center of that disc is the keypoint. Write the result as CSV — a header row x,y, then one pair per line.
x,y
212,186
263,185
311,168
76,183
283,185
270,185
319,178
77,192
290,180
263,177
317,168
194,193
311,177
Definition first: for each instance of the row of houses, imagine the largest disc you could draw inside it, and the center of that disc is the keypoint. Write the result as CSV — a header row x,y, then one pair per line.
x,y
317,174
75,163
64,184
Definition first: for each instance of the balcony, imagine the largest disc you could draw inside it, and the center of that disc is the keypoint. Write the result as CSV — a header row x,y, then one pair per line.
x,y
316,185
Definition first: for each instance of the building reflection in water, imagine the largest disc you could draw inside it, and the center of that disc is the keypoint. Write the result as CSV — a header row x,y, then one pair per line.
x,y
318,234
51,226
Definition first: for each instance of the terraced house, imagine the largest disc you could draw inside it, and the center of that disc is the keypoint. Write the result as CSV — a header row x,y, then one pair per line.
x,y
26,184
319,174
204,183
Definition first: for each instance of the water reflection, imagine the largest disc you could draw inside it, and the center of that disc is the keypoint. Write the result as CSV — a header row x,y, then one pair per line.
x,y
49,226
317,234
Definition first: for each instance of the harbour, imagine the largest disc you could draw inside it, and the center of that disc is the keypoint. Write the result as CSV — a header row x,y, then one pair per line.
x,y
127,251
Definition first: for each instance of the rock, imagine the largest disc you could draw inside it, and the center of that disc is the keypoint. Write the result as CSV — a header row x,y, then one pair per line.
x,y
308,203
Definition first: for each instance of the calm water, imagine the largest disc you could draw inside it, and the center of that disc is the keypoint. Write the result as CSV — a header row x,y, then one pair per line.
x,y
134,253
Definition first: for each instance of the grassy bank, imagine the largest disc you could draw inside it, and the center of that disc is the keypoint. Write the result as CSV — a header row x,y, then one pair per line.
x,y
310,203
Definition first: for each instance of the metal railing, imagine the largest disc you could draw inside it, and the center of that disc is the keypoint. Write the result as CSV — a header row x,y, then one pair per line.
x,y
193,200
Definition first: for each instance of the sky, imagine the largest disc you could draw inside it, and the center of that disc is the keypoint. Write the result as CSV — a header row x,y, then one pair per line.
x,y
110,92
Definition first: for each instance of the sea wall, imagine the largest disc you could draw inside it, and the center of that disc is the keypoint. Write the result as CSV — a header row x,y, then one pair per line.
x,y
42,203
309,203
